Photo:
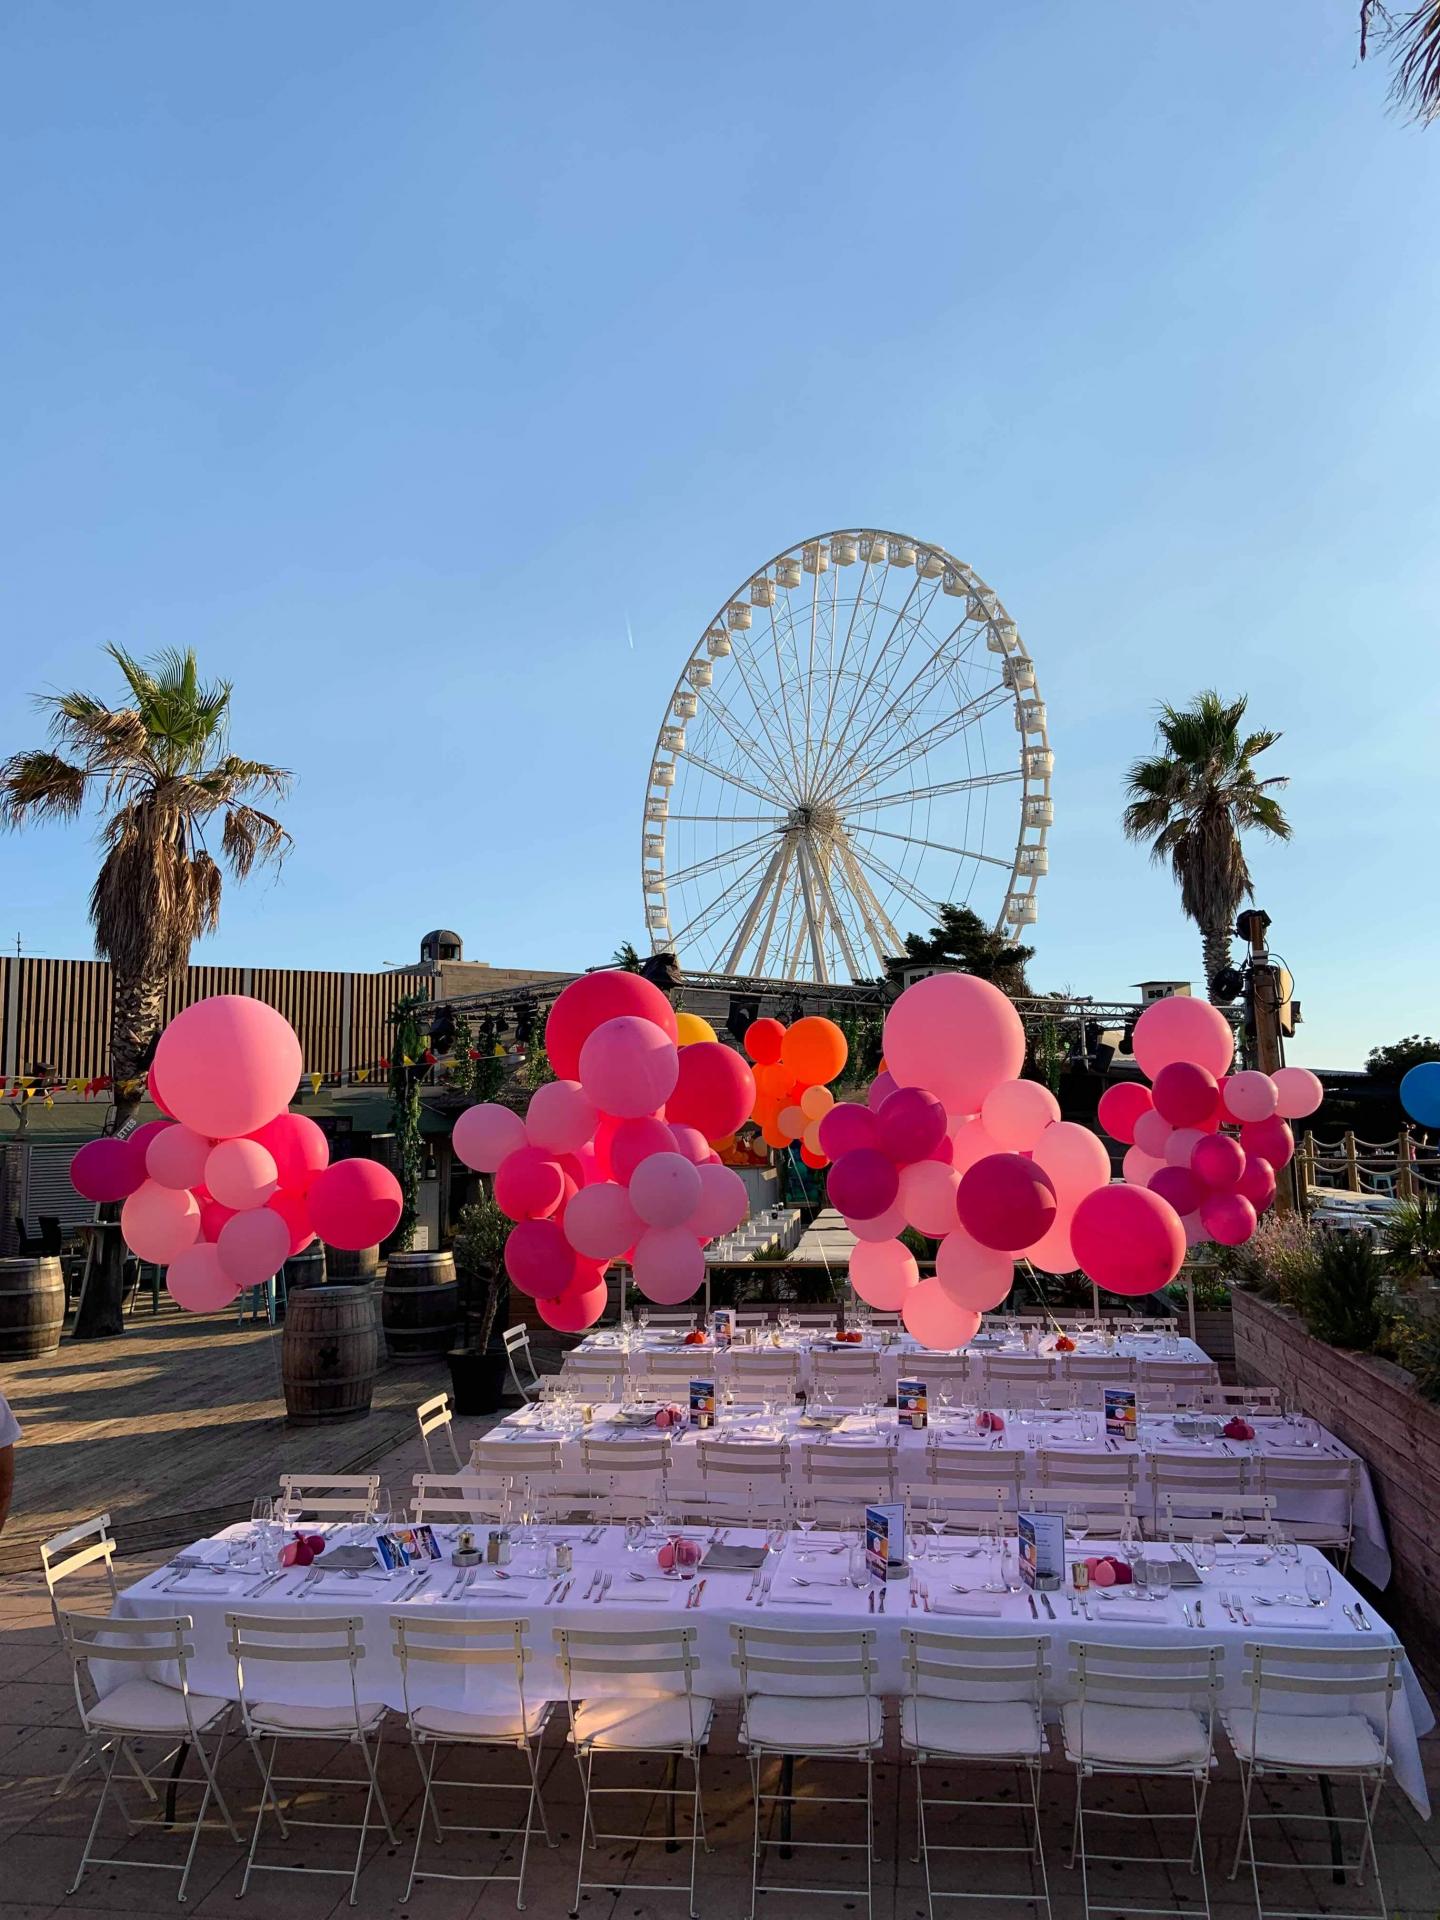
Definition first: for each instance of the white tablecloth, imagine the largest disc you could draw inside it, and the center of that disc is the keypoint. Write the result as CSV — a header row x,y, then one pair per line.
x,y
725,1599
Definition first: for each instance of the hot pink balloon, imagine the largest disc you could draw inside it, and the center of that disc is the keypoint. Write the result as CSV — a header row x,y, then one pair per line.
x,y
864,1183
108,1169
576,1309
1017,1112
881,1226
1127,1240
159,1222
1005,1201
724,1202
143,1135
1249,1096
969,1142
933,1318
298,1147
927,1197
152,1087
213,1217
629,1067
973,1276
882,1272
848,1126
176,1157
538,1258
600,1222
292,1208
911,1124
590,1001
1180,1187
1300,1092
354,1204
1271,1139
668,1265
665,1190
690,1141
1228,1218
252,1246
1180,1147
228,1065
198,1282
241,1174
486,1135
1152,1133
1183,1028
881,1088
1257,1182
714,1089
1075,1159
529,1185
1139,1167
1185,1093
943,1151
1120,1107
1217,1162
957,1035
561,1117
634,1141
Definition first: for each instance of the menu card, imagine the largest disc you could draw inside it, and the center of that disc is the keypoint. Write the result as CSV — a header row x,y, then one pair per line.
x,y
911,1403
405,1545
1121,1412
1042,1549
884,1540
702,1403
722,1327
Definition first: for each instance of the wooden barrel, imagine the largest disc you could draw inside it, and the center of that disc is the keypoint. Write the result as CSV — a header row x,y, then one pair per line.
x,y
342,1263
306,1269
329,1354
32,1306
420,1305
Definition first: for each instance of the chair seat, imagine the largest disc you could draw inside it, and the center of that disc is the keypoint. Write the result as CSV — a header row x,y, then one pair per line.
x,y
972,1729
145,1706
647,1722
1136,1736
790,1723
454,1723
284,1716
1314,1742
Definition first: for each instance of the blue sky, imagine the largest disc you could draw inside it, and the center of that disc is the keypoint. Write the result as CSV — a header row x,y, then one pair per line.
x,y
395,357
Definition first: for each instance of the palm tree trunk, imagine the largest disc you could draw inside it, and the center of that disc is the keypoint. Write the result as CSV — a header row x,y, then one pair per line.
x,y
1216,942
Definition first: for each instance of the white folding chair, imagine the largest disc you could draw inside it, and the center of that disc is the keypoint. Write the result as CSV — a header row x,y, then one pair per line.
x,y
1209,1480
435,1417
1184,1383
1314,1499
530,1472
1141,1712
306,1644
89,1543
144,1709
1264,1400
454,1499
949,1373
1341,1731
628,1475
1073,1468
1108,1511
847,1379
600,1378
757,1374
487,1648
1098,1369
746,1482
976,1488
635,1693
517,1348
843,1480
1192,1513
976,1701
1015,1380
330,1496
808,1696
667,1375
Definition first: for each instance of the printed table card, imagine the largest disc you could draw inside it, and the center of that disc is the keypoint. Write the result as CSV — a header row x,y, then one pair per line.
x,y
910,1403
1042,1550
1121,1411
722,1327
885,1540
702,1403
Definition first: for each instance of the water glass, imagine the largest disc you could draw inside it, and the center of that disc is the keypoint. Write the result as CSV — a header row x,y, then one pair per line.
x,y
642,1318
857,1569
1317,1583
1202,1552
1157,1579
384,1512
634,1535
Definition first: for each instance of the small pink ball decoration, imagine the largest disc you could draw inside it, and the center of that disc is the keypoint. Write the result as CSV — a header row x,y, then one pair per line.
x,y
863,1183
714,1090
668,1265
1183,1028
927,1197
1180,1147
1257,1183
539,1259
1017,1112
880,1090
628,1067
1249,1095
228,1064
665,1189
1185,1093
1228,1218
561,1117
298,1147
911,1124
1179,1186
590,1001
1299,1092
956,1035
159,1222
848,1126
933,1318
294,1210
176,1157
1127,1240
1139,1167
1218,1162
724,1202
1152,1133
1004,1201
634,1141
484,1136
197,1281
883,1226
973,1276
241,1174
1120,1107
882,1272
1075,1159
354,1204
600,1222
252,1246
529,1185
1271,1139
575,1309
108,1170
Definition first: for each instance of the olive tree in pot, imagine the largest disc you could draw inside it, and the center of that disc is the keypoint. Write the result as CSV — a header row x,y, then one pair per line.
x,y
477,1365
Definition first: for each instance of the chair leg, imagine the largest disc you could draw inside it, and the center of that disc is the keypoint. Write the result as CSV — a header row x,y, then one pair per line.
x,y
108,1758
870,1836
587,1827
755,1842
1247,1783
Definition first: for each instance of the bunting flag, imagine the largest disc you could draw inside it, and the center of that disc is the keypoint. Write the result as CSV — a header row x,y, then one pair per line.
x,y
362,1074
315,1080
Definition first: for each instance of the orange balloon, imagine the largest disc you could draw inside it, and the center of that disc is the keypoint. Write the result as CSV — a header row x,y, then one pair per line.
x,y
811,1137
814,1050
766,1111
773,1138
791,1122
773,1078
816,1102
813,1159
725,1144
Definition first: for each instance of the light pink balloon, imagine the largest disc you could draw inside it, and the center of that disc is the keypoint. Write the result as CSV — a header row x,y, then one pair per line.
x,y
1152,1133
241,1174
1183,1028
791,1120
486,1134
1228,1218
158,1222
228,1064
927,1197
724,1202
1138,1166
1053,1253
1195,1234
600,1222
665,1190
196,1280
252,1246
973,1276
561,1116
1075,1159
884,1226
969,1143
629,1067
176,1157
1182,1144
882,1272
692,1143
1017,1112
1300,1093
933,1318
955,1034
668,1265
576,1309
1249,1096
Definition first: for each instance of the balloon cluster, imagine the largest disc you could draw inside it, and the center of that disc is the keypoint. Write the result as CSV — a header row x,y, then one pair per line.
x,y
233,1185
614,1159
792,1066
1207,1141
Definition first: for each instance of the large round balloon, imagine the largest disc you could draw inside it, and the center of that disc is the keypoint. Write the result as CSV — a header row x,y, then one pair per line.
x,y
228,1064
529,1185
668,1265
969,1142
665,1190
1140,1168
159,1222
690,1029
629,1067
814,1049
600,1222
1152,1133
1185,1093
1075,1159
354,1204
1271,1139
1006,1202
1183,1028
956,1035
976,1277
590,1001
816,1102
880,1090
1128,1240
863,1182
880,1226
1300,1092
539,1259
847,1126
1257,1182
241,1174
578,1308
1218,1161
299,1148
293,1209
252,1246
176,1157
561,1117
692,1143
911,1124
108,1169
1180,1187
197,1280
927,1195
213,1217
1228,1218
723,1203
882,1272
634,1141
1017,1112
1120,1107
1052,1252
763,1040
1249,1095
485,1134
714,1090
935,1320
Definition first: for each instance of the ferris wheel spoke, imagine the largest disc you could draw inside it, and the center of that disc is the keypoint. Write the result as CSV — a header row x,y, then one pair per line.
x,y
733,819
837,674
894,629
781,679
716,860
706,917
912,794
871,860
877,922
829,905
895,706
964,853
787,851
812,919
752,912
921,743
720,773
717,708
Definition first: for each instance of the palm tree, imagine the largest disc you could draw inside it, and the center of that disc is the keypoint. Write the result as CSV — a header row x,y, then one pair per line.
x,y
1413,42
160,770
1193,800
625,959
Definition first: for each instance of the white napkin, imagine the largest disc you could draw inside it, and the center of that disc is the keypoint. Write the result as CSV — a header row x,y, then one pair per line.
x,y
659,1594
226,1584
980,1605
1129,1610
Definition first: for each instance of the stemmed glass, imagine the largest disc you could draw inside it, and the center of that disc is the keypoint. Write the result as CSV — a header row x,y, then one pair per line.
x,y
804,1515
642,1318
384,1510
945,1393
1234,1528
1202,1551
1077,1523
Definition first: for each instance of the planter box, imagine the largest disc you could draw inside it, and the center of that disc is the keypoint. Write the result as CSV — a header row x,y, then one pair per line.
x,y
1215,1332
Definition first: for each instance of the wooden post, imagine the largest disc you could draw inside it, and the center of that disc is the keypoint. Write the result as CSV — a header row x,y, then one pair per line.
x,y
1352,1163
1405,1164
1265,1009
1189,1279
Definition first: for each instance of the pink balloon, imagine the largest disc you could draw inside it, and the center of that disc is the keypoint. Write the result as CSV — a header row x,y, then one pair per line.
x,y
1120,1107
1228,1218
539,1259
354,1204
1017,1112
668,1265
1217,1162
152,1087
1183,1028
213,1217
252,1246
228,1065
108,1169
561,1117
1127,1240
529,1184
847,1126
143,1135
485,1135
882,1272
690,1141
1005,1201
969,1142
881,1088
575,1309
1152,1133
1139,1167
600,1222
293,1209
1249,1096
943,1151
1075,1159
1180,1147
628,1067
863,1182
176,1157
791,1121
927,1197
1257,1182
592,999
1052,1252
1271,1139
724,1202
1300,1092
1195,1234
881,1226
241,1174
197,1281
1180,1187
665,1189
159,1222
933,1318
957,1035
911,1124
298,1147
971,1275
634,1141
714,1089
1186,1094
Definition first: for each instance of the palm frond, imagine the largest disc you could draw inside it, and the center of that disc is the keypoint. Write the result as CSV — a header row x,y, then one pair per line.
x,y
40,783
250,836
1413,43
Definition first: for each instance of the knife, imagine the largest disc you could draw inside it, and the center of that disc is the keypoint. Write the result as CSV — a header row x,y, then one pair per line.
x,y
1363,1617
1045,1602
695,1594
1034,1610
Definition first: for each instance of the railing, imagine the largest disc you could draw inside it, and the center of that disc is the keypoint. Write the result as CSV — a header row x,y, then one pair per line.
x,y
1390,1169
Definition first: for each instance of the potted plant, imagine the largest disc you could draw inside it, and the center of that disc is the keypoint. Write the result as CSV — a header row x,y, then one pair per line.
x,y
477,1364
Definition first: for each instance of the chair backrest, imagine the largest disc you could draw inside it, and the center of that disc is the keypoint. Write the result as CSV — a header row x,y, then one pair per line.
x,y
514,1460
1193,1512
594,1360
608,1662
1187,1374
844,1475
423,1641
1106,1674
752,1476
1111,1370
765,1371
628,1474
599,1383
949,1370
959,1467
338,1496
851,1376
790,1660
1296,1474
1208,1477
88,1543
260,1640
158,1640
1229,1398
435,1418
949,1666
1110,1508
454,1497
516,1341
1358,1678
1016,1379
1057,1464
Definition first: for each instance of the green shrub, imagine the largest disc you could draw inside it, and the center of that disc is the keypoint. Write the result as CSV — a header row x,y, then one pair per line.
x,y
1341,1300
1278,1261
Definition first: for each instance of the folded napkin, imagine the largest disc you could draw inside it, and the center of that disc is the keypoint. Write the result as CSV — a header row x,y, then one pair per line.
x,y
660,1594
1155,1614
984,1606
230,1587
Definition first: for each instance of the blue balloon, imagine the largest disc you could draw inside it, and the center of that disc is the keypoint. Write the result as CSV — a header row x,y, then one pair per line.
x,y
1420,1093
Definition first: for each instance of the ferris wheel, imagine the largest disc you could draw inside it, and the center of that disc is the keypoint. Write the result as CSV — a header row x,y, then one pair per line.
x,y
857,737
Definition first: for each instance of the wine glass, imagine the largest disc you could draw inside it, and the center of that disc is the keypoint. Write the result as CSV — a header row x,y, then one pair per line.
x,y
642,1318
634,1535
993,1540
804,1513
1077,1523
1157,1579
1130,1536
1317,1583
1285,1548
383,1512
935,1517
945,1393
655,1515
1232,1525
